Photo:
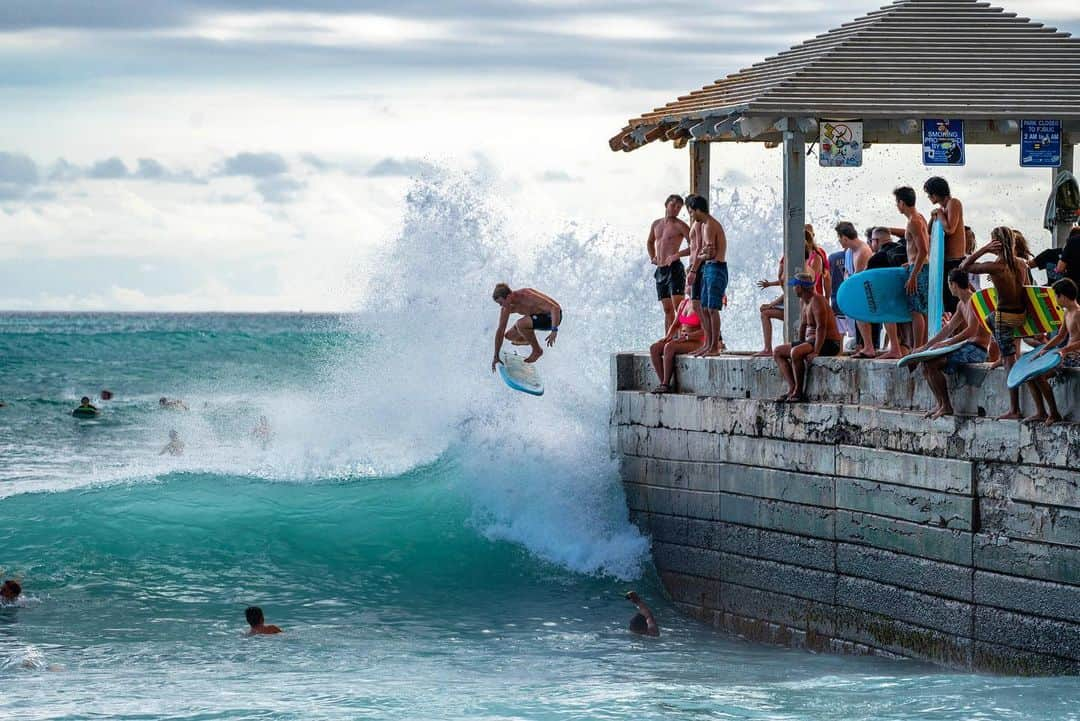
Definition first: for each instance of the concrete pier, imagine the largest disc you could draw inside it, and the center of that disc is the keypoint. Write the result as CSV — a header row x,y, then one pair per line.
x,y
851,523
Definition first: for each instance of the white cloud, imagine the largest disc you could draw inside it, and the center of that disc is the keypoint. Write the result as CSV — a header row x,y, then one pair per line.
x,y
314,29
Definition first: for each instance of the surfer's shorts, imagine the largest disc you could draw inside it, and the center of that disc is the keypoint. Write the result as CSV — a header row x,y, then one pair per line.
x,y
715,284
541,321
949,301
829,348
969,353
1002,326
919,301
670,280
1070,361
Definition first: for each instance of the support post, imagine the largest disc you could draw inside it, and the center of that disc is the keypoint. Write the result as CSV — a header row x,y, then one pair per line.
x,y
794,220
1061,230
699,168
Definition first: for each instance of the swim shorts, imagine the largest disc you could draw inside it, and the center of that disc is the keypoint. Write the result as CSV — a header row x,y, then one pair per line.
x,y
1002,326
715,284
829,348
541,321
948,300
968,353
1071,361
919,301
670,280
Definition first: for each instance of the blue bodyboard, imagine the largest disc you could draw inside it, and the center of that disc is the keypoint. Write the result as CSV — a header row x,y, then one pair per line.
x,y
936,304
1028,366
929,353
875,296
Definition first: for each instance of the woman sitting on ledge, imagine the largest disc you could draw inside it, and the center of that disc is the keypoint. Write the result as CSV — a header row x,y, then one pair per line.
x,y
684,336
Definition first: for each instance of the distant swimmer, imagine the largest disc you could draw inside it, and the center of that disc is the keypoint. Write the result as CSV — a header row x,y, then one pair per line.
x,y
539,311
258,624
175,446
106,395
10,591
172,403
643,622
85,409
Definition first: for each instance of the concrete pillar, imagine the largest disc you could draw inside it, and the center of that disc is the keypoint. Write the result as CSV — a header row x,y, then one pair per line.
x,y
1061,231
699,168
794,220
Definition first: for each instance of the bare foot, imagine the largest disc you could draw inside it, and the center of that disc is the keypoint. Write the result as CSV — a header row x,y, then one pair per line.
x,y
796,397
997,364
1010,416
946,411
713,353
763,354
930,413
889,355
534,356
1035,418
783,398
661,389
1053,418
863,354
700,352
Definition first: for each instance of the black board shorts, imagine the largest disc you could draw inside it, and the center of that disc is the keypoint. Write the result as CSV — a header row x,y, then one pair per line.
x,y
541,321
670,280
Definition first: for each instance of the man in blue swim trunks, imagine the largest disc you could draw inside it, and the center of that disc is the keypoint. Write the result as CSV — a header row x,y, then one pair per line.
x,y
963,327
917,235
710,263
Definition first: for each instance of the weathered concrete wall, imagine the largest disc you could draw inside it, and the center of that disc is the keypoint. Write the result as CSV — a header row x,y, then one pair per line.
x,y
851,523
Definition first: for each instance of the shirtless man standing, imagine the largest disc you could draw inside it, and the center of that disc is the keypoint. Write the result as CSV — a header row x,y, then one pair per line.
x,y
710,262
950,212
665,251
538,311
963,327
860,256
1008,273
818,336
918,251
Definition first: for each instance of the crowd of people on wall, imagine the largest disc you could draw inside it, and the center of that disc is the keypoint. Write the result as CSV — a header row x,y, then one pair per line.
x,y
693,295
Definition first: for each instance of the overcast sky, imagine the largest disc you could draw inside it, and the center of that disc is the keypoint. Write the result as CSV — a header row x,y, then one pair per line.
x,y
253,154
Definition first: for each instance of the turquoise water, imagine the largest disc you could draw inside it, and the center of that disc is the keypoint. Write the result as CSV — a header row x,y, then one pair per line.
x,y
429,551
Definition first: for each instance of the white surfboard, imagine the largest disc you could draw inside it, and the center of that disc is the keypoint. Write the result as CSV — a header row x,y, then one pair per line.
x,y
519,375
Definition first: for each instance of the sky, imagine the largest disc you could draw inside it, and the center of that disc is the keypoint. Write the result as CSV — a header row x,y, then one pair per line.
x,y
248,155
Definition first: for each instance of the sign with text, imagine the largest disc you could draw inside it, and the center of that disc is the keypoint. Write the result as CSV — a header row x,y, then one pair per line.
x,y
1040,143
943,141
840,143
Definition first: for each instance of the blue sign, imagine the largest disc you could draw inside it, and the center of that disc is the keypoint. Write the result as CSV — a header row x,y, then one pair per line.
x,y
1040,143
942,142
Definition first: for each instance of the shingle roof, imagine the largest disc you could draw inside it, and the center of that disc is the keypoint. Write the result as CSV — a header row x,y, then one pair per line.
x,y
910,59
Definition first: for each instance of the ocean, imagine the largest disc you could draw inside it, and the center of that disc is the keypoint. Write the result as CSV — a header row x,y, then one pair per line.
x,y
427,559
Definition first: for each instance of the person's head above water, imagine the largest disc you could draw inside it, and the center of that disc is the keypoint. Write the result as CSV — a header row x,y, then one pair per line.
x,y
85,400
173,435
10,590
254,616
638,624
163,401
501,293
106,395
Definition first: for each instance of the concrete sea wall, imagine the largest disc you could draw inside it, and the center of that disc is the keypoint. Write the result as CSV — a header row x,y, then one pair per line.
x,y
851,523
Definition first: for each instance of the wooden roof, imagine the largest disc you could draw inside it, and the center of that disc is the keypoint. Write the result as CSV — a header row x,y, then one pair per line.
x,y
911,59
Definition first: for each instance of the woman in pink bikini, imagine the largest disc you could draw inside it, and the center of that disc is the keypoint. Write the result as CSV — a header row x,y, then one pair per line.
x,y
683,336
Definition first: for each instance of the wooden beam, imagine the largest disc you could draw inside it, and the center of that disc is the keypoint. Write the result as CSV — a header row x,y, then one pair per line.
x,y
794,219
699,168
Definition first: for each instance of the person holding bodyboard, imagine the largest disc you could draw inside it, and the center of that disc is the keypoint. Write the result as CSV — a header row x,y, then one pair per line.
x,y
538,311
917,236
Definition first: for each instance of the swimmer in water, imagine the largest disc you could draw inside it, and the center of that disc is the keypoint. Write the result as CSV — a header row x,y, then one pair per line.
x,y
175,446
86,407
258,624
262,433
106,395
10,591
643,622
174,404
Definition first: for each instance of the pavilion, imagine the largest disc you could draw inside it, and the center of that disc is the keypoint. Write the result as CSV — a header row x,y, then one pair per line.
x,y
892,68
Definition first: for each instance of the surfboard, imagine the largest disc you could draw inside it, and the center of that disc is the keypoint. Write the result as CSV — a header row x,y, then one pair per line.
x,y
1028,366
519,375
1043,313
936,304
929,353
875,296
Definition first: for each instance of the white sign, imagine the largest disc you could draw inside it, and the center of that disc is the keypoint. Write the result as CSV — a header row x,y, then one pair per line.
x,y
840,143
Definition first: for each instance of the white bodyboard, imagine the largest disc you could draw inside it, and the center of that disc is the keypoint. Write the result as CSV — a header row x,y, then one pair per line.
x,y
519,375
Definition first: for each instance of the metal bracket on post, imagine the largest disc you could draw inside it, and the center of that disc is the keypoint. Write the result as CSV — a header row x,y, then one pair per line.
x,y
794,219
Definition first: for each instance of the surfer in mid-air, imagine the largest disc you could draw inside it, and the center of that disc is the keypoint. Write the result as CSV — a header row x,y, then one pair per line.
x,y
538,311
